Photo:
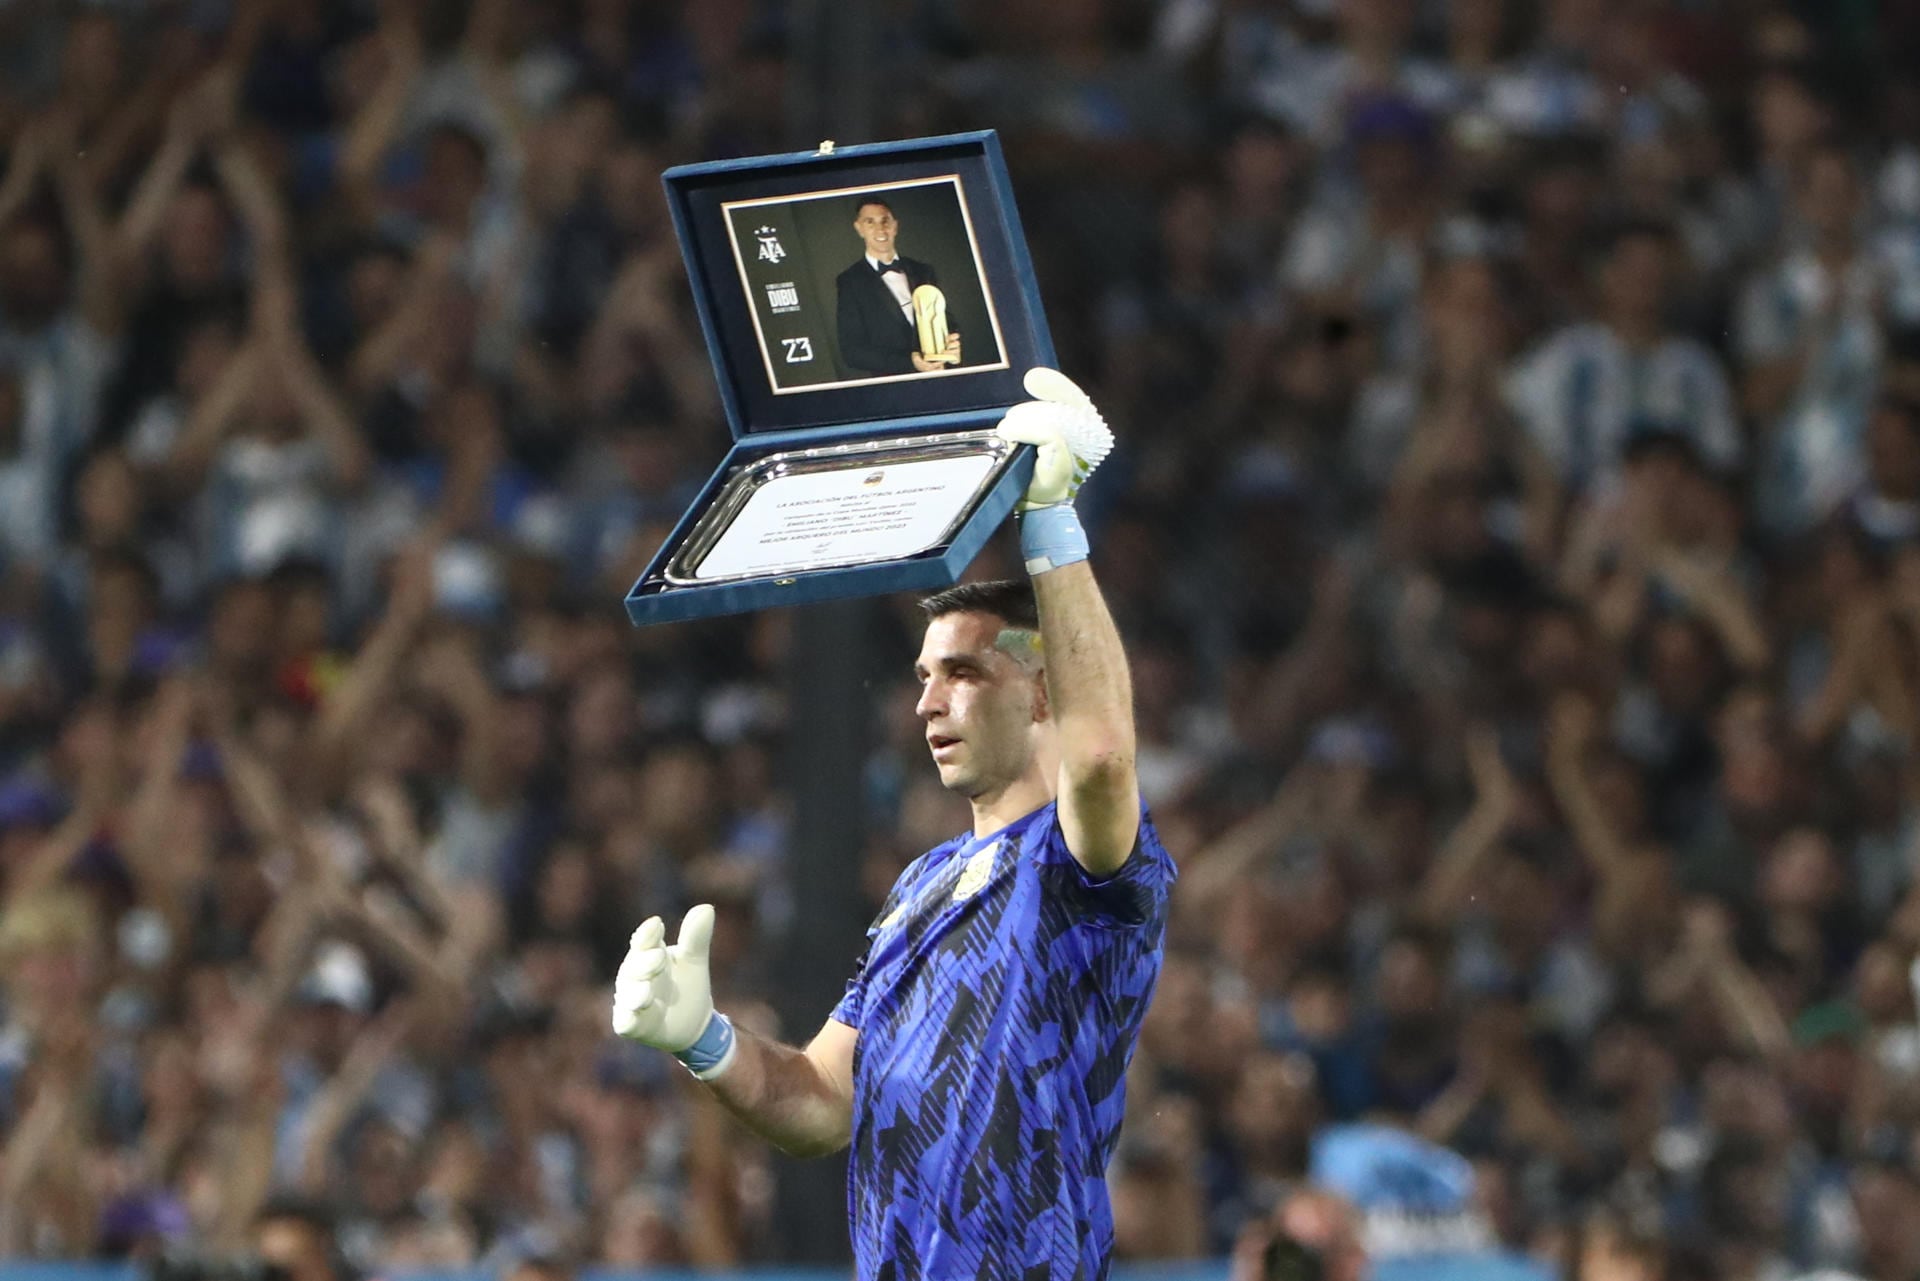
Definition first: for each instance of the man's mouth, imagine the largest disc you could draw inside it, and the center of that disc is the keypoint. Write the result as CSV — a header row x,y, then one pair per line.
x,y
940,743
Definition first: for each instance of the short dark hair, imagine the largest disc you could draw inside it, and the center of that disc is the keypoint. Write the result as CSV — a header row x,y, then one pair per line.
x,y
1009,599
862,202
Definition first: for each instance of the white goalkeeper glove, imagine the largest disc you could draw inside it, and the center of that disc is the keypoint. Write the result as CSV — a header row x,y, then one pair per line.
x,y
1070,439
663,996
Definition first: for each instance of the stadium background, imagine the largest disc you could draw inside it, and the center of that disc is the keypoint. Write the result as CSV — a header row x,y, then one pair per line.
x,y
1514,533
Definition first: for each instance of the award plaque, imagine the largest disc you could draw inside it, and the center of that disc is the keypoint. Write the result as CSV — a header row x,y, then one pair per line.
x,y
869,312
840,505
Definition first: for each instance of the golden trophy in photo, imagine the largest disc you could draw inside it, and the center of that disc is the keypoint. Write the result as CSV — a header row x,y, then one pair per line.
x,y
930,318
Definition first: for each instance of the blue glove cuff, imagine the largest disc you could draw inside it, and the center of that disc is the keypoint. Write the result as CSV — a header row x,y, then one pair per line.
x,y
1051,537
712,1054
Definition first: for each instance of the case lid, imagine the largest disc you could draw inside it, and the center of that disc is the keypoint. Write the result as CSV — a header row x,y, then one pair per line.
x,y
810,332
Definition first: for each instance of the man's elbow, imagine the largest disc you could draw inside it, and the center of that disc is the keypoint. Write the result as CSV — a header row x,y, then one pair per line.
x,y
1102,807
1103,769
810,1146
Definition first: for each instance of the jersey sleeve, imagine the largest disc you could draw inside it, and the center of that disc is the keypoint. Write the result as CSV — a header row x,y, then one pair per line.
x,y
854,999
1133,896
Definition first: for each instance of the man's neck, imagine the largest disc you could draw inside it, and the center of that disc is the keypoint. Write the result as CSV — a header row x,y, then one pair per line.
x,y
878,261
995,810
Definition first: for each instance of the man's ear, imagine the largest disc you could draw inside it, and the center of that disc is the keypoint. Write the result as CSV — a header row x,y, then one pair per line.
x,y
1042,704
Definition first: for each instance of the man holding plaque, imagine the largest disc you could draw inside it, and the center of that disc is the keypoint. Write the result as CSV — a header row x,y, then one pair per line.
x,y
1002,991
892,314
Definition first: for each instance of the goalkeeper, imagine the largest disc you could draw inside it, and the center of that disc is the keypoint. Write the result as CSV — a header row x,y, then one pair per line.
x,y
977,1062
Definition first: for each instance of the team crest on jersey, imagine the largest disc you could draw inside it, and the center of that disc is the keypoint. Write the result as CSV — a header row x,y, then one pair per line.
x,y
976,873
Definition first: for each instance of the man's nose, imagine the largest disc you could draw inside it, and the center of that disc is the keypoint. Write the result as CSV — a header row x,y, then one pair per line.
x,y
932,701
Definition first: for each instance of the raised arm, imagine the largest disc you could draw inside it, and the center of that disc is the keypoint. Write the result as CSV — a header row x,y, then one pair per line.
x,y
1570,730
179,474
1089,690
253,197
1718,599
163,874
44,864
1706,962
201,113
381,356
373,128
338,1101
1446,887
345,713
276,306
465,916
1091,696
1218,867
26,164
101,292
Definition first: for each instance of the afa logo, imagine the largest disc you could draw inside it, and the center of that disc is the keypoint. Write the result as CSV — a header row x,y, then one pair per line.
x,y
976,873
873,478
770,248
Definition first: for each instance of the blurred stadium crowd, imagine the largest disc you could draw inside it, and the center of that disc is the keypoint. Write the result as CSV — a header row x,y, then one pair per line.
x,y
1516,529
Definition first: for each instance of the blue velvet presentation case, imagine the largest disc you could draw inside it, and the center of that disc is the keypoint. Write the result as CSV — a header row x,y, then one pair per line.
x,y
771,253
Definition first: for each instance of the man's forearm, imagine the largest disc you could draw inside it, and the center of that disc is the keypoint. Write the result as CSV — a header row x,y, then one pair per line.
x,y
1088,684
782,1095
1090,693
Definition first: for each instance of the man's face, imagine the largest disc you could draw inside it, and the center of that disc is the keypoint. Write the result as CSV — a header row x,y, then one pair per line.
x,y
1830,195
456,175
1636,275
196,238
979,704
877,228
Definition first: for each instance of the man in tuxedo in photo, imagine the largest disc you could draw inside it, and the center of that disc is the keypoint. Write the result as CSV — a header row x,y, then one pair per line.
x,y
878,335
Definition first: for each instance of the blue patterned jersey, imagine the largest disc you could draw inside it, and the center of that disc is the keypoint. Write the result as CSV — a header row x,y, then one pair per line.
x,y
998,1006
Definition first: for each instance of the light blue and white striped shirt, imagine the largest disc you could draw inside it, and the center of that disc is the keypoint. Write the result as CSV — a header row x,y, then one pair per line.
x,y
1581,390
